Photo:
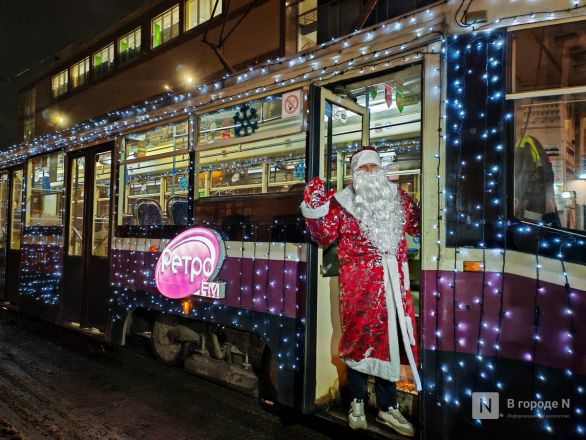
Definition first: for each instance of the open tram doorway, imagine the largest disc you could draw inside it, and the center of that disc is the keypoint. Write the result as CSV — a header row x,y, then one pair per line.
x,y
385,112
87,239
11,186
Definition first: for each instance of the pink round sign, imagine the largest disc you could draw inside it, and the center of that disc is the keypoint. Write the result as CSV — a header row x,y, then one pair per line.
x,y
188,262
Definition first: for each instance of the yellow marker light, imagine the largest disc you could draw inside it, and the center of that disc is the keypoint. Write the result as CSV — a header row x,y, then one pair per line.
x,y
473,266
187,307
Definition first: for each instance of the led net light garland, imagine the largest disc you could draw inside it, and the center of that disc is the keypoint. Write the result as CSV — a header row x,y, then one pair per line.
x,y
474,143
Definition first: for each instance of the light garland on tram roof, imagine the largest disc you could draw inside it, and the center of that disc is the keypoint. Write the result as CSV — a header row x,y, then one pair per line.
x,y
94,130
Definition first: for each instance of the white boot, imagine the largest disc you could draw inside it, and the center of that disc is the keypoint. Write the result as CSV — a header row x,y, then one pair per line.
x,y
394,419
356,416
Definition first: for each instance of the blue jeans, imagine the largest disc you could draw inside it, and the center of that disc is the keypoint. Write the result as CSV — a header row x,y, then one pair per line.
x,y
385,390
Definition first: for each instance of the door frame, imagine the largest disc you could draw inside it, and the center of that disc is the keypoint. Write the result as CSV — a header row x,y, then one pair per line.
x,y
14,260
318,95
6,244
88,213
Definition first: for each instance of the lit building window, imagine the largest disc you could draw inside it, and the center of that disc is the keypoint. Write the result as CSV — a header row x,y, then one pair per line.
x,y
29,113
307,27
129,45
104,59
80,72
59,83
165,27
200,11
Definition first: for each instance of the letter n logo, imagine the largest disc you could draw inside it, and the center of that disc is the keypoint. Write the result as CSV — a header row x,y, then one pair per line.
x,y
485,405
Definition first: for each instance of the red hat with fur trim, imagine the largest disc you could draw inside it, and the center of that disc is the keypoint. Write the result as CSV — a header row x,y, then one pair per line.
x,y
366,155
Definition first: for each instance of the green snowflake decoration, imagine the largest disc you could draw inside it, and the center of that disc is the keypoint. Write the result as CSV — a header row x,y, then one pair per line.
x,y
299,170
245,120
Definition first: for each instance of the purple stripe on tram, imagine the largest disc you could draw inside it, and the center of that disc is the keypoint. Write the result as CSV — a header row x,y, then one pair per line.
x,y
270,286
554,346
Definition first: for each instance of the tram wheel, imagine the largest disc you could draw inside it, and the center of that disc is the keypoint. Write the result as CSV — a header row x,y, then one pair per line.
x,y
166,348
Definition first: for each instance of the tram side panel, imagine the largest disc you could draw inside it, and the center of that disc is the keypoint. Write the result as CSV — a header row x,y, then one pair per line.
x,y
264,274
41,269
510,323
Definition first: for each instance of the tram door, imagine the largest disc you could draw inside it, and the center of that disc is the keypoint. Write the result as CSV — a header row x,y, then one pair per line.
x,y
86,265
12,228
343,130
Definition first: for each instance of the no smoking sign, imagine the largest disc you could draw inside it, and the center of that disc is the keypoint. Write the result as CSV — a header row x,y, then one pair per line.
x,y
291,104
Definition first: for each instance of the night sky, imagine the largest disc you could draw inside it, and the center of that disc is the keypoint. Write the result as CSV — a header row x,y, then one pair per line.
x,y
32,31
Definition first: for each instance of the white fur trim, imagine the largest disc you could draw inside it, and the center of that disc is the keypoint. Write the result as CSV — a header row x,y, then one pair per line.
x,y
365,157
391,276
406,281
410,331
318,212
375,367
393,334
346,199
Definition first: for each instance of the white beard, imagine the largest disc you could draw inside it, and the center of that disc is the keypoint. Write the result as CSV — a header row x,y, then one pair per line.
x,y
379,210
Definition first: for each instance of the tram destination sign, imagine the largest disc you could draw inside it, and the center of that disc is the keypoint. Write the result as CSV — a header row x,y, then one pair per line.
x,y
189,264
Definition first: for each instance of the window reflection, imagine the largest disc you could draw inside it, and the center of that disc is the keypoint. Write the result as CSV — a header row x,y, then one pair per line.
x,y
3,207
550,161
16,203
268,166
548,57
76,206
45,190
101,217
154,177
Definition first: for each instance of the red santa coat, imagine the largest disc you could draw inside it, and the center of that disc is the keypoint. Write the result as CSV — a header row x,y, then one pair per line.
x,y
373,287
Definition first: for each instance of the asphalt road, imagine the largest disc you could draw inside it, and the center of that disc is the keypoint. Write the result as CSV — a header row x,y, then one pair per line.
x,y
59,384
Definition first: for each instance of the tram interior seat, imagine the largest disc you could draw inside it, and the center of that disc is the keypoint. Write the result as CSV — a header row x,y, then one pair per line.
x,y
147,212
177,210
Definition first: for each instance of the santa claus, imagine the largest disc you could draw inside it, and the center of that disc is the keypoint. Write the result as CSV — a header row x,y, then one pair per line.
x,y
369,220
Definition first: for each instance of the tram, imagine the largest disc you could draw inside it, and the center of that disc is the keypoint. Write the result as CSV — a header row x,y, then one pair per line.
x,y
178,219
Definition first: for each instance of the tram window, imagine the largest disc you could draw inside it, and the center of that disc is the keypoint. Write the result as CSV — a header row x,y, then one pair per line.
x,y
45,191
76,206
394,104
254,117
16,210
154,177
163,139
101,220
550,161
548,57
267,166
3,208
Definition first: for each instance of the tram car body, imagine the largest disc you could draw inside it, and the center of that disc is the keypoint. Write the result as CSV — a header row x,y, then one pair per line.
x,y
184,224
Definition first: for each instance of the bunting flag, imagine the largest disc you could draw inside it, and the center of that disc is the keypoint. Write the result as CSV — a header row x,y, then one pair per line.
x,y
373,92
388,95
400,100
